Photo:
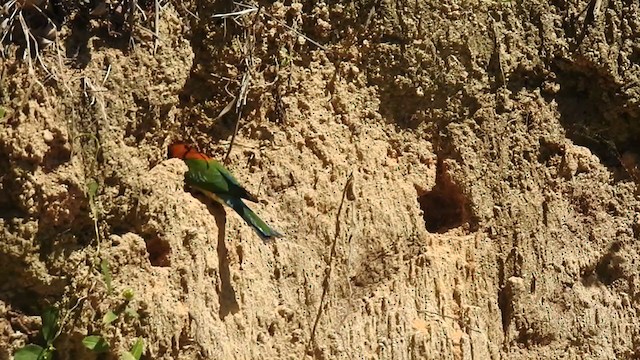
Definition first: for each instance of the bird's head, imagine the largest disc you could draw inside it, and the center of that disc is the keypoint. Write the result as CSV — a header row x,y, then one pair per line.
x,y
178,150
183,151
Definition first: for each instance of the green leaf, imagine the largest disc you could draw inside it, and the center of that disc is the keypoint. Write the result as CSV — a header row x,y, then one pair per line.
x,y
28,352
128,294
95,343
106,274
2,112
137,349
49,324
109,317
127,356
92,188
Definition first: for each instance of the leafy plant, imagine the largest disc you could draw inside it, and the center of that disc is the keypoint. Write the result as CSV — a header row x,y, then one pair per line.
x,y
136,351
112,315
109,317
49,331
31,352
99,344
95,343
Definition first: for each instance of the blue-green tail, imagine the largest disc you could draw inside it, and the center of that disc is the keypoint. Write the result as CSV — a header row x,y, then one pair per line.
x,y
259,226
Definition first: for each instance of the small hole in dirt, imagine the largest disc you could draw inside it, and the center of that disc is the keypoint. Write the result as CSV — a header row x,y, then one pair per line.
x,y
272,329
608,269
158,250
611,266
440,213
444,207
549,150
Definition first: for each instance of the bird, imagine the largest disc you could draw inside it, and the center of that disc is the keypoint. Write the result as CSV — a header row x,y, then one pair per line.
x,y
211,178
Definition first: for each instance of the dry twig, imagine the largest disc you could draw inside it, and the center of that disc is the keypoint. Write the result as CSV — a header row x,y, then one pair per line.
x,y
332,255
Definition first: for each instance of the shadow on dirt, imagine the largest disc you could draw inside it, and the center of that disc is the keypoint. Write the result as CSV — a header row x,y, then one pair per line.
x,y
594,110
110,25
227,295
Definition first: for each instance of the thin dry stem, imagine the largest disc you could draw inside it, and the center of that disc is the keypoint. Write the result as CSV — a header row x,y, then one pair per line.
x,y
236,13
156,38
332,255
245,85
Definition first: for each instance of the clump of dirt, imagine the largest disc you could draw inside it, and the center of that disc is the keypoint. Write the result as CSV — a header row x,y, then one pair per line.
x,y
452,181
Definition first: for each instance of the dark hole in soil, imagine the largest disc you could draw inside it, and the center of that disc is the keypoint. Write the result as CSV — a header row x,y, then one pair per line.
x,y
158,250
441,212
611,266
445,206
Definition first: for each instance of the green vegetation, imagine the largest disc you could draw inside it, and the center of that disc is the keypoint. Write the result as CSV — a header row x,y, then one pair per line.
x,y
52,327
136,351
96,343
50,331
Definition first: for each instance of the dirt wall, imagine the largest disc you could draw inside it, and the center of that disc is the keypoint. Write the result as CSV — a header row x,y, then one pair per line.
x,y
453,180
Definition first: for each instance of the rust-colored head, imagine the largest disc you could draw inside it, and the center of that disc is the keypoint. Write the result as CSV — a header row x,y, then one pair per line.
x,y
183,151
178,150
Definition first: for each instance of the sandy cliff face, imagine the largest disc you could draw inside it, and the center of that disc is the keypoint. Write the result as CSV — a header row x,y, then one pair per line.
x,y
453,181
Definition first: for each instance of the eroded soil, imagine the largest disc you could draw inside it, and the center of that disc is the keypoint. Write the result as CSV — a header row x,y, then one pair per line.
x,y
453,181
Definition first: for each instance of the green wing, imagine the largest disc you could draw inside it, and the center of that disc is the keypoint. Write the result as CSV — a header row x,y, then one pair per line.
x,y
214,177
